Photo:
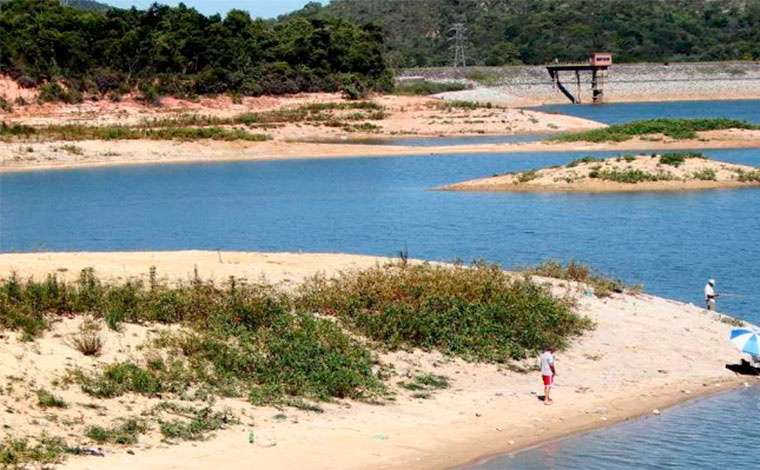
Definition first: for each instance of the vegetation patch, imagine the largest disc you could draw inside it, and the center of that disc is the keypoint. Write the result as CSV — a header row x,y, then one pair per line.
x,y
526,176
189,423
747,176
581,160
706,174
673,128
676,159
46,399
125,431
19,453
630,175
603,286
427,88
98,53
476,312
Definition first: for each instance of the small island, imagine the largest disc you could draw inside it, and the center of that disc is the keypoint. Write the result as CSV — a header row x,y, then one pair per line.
x,y
656,172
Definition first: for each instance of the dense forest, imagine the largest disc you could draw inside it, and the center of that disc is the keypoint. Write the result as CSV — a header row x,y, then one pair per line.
x,y
178,51
537,31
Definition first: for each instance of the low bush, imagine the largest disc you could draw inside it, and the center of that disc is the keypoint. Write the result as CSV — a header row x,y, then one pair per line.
x,y
602,285
476,312
526,176
631,175
427,88
46,399
126,431
747,176
578,161
676,159
193,424
21,453
706,174
674,128
253,340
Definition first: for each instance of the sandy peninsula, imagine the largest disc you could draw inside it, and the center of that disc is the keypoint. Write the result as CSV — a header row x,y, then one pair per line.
x,y
636,360
665,172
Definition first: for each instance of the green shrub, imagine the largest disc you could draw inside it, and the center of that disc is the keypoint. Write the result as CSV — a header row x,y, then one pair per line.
x,y
19,453
526,176
14,130
5,105
485,77
427,88
126,431
706,174
747,176
578,161
676,159
195,424
53,92
602,285
631,175
674,128
46,399
478,312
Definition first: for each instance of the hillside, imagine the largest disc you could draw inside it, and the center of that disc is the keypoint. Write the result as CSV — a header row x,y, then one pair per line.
x,y
84,5
180,52
537,31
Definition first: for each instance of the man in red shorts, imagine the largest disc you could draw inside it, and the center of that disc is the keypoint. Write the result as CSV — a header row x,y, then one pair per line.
x,y
547,373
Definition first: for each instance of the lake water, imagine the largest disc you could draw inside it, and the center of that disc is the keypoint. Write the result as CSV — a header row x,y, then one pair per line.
x,y
718,432
613,113
671,242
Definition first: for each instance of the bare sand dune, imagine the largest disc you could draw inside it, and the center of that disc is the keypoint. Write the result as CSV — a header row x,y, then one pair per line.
x,y
646,353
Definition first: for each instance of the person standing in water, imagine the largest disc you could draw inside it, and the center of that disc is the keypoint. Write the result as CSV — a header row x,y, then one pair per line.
x,y
547,373
710,294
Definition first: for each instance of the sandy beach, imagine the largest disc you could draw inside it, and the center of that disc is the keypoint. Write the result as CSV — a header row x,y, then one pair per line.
x,y
636,360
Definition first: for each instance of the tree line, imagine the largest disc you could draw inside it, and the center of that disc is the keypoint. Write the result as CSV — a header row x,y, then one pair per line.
x,y
178,51
503,32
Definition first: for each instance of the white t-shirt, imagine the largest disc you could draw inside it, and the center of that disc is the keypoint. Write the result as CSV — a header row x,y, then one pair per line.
x,y
709,292
547,360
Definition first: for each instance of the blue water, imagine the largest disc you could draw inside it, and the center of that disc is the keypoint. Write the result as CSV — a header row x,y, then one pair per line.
x,y
670,242
613,113
719,432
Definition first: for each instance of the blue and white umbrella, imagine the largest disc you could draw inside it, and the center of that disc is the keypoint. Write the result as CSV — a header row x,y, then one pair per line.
x,y
746,340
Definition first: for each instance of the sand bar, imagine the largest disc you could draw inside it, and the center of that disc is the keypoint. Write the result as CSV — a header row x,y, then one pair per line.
x,y
126,153
646,353
593,175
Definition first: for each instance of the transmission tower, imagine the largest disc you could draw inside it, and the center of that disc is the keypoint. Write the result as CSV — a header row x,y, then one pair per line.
x,y
460,39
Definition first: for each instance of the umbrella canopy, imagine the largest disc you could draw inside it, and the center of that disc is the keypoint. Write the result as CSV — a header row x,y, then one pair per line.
x,y
746,340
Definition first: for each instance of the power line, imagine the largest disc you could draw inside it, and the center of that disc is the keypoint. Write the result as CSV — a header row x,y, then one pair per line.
x,y
460,40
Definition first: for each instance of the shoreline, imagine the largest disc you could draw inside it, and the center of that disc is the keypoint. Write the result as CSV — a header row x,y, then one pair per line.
x,y
221,152
705,394
488,411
